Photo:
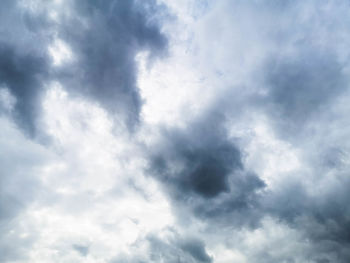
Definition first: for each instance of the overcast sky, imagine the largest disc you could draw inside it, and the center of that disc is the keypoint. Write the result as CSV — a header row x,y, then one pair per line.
x,y
171,131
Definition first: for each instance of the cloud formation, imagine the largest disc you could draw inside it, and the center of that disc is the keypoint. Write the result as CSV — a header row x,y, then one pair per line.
x,y
202,169
105,38
251,166
100,39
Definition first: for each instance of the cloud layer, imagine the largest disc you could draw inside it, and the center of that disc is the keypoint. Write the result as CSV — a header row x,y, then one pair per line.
x,y
155,131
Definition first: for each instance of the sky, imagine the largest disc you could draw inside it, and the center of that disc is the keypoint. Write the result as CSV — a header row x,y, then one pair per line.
x,y
188,131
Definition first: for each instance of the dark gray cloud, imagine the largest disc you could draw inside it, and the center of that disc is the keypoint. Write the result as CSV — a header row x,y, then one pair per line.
x,y
201,167
301,87
302,91
204,157
104,37
323,218
23,74
172,248
177,250
23,62
83,250
290,58
294,80
104,70
196,249
298,78
105,51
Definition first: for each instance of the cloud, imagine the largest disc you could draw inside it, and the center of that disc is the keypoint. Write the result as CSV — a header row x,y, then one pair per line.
x,y
251,166
283,67
24,65
21,160
301,86
83,250
22,75
168,246
201,168
105,38
322,217
102,41
71,184
196,249
203,155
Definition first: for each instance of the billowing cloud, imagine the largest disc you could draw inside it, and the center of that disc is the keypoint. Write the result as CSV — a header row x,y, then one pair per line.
x,y
301,86
180,131
291,71
22,75
100,41
202,168
105,38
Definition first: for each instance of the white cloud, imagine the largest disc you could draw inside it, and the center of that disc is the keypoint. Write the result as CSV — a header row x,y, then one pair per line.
x,y
88,195
60,52
92,193
7,101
